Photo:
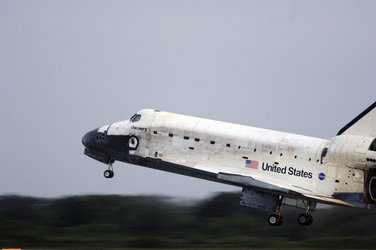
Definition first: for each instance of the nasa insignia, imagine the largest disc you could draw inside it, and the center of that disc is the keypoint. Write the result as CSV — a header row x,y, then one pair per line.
x,y
321,176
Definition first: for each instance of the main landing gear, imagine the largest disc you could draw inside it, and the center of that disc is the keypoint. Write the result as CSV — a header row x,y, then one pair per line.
x,y
306,219
109,173
276,219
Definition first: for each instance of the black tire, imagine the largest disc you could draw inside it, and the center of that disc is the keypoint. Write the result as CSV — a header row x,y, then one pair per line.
x,y
274,220
111,174
309,220
280,220
107,174
303,219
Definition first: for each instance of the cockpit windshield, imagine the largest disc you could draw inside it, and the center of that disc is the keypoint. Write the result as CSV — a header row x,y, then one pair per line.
x,y
135,118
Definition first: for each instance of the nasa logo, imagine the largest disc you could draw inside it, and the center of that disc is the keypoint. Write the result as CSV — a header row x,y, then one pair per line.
x,y
321,176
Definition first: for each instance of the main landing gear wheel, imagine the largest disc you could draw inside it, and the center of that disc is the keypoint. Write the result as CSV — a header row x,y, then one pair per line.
x,y
275,220
305,219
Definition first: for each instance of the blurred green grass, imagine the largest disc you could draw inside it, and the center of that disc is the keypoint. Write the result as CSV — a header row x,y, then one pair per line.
x,y
98,222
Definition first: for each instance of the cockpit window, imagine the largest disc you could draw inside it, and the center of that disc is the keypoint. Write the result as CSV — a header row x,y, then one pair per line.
x,y
135,118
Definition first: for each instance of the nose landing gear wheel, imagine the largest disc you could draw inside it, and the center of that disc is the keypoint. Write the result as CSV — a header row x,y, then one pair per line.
x,y
108,174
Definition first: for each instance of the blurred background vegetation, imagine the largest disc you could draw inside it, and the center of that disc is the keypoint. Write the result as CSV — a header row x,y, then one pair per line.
x,y
89,222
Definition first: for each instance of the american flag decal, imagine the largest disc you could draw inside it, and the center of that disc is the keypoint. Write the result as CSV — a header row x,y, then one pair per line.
x,y
251,164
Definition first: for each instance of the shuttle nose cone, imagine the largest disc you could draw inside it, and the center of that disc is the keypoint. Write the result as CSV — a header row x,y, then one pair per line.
x,y
89,138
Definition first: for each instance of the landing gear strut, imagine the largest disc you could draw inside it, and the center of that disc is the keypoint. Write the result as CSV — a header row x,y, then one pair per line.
x,y
306,219
109,173
276,219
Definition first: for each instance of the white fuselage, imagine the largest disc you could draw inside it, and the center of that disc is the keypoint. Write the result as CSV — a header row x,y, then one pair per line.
x,y
282,159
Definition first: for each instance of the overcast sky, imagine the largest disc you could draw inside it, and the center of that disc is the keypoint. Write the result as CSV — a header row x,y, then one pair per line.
x,y
66,67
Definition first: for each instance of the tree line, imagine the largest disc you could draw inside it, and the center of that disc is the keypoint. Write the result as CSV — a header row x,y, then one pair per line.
x,y
219,221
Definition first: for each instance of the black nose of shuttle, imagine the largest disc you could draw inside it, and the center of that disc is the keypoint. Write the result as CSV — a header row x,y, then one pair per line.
x,y
89,138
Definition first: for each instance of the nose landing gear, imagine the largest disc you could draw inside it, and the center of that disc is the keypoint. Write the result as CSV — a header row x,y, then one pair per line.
x,y
109,173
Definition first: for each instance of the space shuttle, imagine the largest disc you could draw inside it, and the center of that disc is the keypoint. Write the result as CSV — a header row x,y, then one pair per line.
x,y
272,168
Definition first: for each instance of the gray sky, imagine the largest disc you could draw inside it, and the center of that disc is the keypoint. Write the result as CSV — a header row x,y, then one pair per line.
x,y
66,67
